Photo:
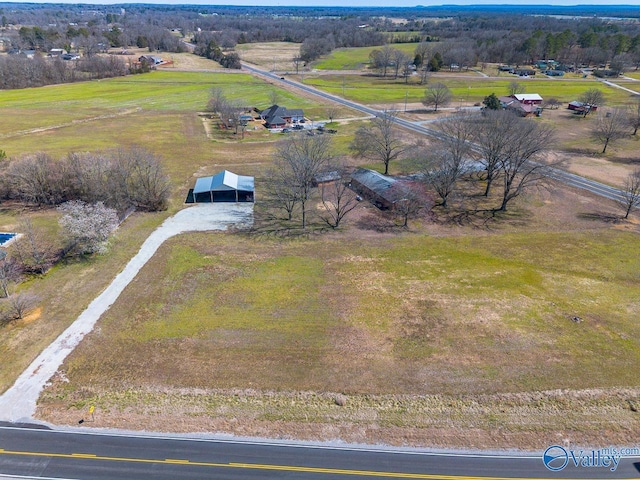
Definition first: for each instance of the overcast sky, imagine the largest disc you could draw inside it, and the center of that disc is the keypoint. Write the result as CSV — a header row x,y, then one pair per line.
x,y
360,3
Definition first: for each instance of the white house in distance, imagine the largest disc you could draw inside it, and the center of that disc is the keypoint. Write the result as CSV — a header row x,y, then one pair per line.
x,y
225,186
524,104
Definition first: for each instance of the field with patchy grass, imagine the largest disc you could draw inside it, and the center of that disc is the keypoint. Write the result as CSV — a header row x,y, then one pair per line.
x,y
431,324
582,154
270,55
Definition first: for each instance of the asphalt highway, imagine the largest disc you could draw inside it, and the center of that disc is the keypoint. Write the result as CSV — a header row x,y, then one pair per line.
x,y
563,176
42,453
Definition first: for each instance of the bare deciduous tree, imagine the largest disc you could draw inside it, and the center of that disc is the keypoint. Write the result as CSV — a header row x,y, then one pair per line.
x,y
449,161
425,73
552,103
331,112
281,191
301,159
610,127
37,179
33,251
122,179
139,179
274,97
515,88
437,95
631,193
492,134
411,202
338,201
592,97
399,60
379,140
520,166
20,305
633,118
381,59
441,172
9,272
422,52
217,99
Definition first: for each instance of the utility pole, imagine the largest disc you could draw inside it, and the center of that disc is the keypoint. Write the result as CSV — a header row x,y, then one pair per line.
x,y
406,94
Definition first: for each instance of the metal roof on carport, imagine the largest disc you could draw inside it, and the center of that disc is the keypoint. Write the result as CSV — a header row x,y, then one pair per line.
x,y
224,181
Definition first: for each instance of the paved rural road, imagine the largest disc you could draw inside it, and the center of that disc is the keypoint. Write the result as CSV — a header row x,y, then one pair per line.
x,y
37,453
19,402
557,174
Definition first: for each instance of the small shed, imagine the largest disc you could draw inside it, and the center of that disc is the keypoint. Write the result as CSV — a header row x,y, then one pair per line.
x,y
225,186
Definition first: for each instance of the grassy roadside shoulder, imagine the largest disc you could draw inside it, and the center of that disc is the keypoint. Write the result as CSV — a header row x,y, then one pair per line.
x,y
529,421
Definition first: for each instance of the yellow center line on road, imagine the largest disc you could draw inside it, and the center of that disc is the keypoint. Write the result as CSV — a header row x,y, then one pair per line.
x,y
257,466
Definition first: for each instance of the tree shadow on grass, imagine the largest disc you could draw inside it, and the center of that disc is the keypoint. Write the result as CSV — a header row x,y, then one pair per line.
x,y
605,217
485,219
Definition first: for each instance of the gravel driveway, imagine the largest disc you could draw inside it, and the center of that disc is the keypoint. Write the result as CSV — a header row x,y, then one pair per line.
x,y
19,402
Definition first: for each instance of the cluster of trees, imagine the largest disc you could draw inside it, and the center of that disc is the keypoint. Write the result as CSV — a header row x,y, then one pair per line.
x,y
89,191
20,72
206,46
229,112
94,34
13,305
299,162
320,33
473,35
122,179
509,148
85,229
389,59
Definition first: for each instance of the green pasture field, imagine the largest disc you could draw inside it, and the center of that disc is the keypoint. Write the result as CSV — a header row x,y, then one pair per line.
x,y
372,89
401,315
356,58
156,110
161,90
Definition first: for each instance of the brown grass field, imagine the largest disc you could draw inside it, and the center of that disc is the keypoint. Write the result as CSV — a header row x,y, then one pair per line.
x,y
446,329
456,332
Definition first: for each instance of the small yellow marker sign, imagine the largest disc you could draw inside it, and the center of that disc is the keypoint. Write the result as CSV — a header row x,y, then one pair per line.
x,y
92,409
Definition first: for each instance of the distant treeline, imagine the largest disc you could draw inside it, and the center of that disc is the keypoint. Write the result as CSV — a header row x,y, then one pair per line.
x,y
17,71
507,34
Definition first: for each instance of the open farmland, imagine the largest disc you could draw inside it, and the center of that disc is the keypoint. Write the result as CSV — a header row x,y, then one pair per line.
x,y
270,55
356,58
442,328
378,90
157,111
